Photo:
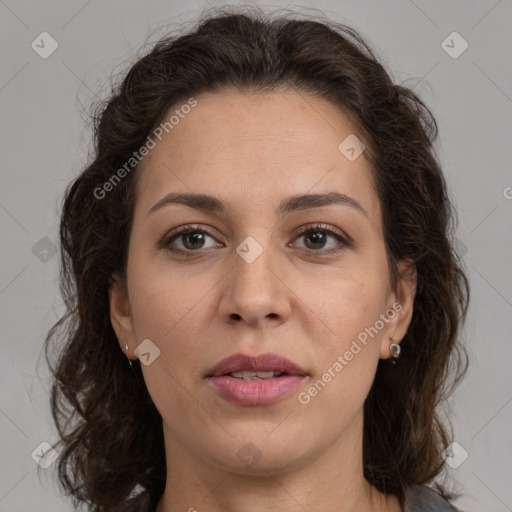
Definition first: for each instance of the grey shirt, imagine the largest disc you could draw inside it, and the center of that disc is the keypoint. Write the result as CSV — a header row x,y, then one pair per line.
x,y
423,499
417,499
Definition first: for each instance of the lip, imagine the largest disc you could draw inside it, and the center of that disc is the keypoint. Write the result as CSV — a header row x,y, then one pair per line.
x,y
255,392
263,363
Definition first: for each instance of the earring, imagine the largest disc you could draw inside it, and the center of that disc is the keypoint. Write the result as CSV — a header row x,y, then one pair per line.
x,y
394,350
129,360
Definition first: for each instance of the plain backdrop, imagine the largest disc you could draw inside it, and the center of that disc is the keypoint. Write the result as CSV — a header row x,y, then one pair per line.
x,y
45,140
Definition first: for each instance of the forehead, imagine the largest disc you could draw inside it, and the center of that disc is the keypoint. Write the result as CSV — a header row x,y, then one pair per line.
x,y
257,148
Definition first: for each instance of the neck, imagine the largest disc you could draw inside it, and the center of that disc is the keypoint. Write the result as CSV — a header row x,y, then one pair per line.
x,y
330,480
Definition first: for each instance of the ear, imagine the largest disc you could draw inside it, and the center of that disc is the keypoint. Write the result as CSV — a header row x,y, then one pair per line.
x,y
120,314
400,309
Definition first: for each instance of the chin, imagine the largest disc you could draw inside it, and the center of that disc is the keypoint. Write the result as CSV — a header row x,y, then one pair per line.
x,y
259,456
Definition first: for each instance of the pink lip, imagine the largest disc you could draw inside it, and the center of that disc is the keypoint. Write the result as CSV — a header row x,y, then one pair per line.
x,y
262,363
255,392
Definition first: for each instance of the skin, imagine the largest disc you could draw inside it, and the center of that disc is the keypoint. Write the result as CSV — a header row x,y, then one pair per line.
x,y
254,150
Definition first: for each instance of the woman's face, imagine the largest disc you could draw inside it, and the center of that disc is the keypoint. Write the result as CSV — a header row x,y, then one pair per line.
x,y
248,280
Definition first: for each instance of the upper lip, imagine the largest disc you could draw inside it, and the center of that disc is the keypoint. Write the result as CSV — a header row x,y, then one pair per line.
x,y
263,363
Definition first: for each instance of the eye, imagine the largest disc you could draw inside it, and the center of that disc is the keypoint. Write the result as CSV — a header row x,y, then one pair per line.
x,y
316,240
190,239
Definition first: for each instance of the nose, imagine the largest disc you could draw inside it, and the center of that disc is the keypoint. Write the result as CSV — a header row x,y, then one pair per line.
x,y
256,293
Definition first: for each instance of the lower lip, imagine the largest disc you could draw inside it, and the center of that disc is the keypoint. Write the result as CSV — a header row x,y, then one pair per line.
x,y
255,392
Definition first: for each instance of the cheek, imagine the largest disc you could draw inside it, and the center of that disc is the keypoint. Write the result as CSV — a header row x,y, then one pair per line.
x,y
349,360
166,301
335,398
174,310
347,304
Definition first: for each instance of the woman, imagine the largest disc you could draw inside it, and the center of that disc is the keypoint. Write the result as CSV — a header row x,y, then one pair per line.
x,y
263,302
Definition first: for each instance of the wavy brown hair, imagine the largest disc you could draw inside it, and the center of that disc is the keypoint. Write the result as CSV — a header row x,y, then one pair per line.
x,y
111,432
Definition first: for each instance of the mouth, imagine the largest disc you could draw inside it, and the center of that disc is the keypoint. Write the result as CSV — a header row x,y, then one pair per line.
x,y
251,381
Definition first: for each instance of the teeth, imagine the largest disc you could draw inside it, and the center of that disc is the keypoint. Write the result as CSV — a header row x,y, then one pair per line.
x,y
246,375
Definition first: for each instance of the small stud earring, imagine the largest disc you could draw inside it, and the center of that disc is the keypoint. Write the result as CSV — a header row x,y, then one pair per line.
x,y
394,350
129,360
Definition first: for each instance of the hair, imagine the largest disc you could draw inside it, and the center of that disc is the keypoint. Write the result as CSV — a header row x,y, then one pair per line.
x,y
110,430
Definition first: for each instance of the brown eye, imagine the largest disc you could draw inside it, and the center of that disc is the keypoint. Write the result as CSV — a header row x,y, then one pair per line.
x,y
190,240
316,240
193,241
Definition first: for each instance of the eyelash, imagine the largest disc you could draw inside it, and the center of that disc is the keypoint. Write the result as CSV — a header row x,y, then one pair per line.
x,y
318,228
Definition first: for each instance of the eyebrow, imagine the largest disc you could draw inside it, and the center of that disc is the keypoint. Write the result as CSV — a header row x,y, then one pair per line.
x,y
290,204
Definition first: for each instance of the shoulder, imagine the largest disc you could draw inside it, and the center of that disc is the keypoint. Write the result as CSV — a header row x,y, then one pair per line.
x,y
423,499
417,499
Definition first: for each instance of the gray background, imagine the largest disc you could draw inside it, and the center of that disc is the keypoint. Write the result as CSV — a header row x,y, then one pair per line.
x,y
45,140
